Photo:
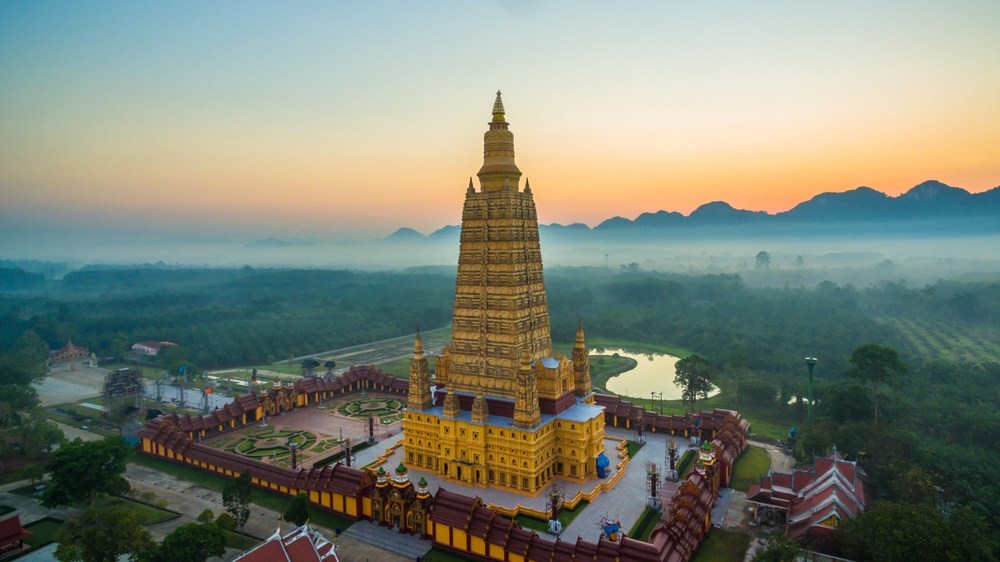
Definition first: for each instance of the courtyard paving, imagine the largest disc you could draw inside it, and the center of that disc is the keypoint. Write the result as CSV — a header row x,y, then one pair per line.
x,y
626,501
327,424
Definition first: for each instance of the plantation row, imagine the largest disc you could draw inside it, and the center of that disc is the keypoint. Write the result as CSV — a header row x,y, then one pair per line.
x,y
932,338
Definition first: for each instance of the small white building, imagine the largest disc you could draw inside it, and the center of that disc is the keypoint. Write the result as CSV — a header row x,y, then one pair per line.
x,y
150,348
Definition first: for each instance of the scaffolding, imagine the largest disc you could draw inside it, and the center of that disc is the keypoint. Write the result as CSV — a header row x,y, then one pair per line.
x,y
124,386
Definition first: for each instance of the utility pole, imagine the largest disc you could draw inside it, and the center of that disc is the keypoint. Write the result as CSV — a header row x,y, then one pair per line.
x,y
811,363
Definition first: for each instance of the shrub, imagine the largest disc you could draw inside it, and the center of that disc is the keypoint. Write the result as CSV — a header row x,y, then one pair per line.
x,y
225,521
206,516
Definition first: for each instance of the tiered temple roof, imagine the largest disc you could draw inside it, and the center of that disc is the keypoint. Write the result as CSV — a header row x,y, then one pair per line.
x,y
816,496
301,544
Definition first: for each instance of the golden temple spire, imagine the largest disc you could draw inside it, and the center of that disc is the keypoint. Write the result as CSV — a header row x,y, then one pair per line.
x,y
498,109
498,153
418,346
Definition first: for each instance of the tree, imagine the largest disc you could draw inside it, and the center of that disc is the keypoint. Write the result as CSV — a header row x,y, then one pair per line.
x,y
32,472
236,496
763,260
191,542
82,469
206,516
39,435
15,400
893,532
298,509
778,548
694,374
309,367
225,522
757,391
102,536
876,365
845,402
26,360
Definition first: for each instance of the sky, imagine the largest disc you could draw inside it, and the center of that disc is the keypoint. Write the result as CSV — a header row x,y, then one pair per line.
x,y
351,119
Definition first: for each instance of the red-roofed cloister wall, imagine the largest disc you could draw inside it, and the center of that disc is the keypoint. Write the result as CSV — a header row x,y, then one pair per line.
x,y
455,521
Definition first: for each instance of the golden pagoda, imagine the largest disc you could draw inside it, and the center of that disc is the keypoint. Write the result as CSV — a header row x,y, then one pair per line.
x,y
505,410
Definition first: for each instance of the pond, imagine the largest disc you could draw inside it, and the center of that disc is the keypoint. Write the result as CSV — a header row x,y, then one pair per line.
x,y
654,372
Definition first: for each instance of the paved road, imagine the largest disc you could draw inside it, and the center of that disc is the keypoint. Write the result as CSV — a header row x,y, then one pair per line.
x,y
780,460
61,387
383,350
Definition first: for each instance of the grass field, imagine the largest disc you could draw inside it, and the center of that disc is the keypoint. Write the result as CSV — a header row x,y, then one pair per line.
x,y
596,344
43,532
633,448
566,517
752,464
242,542
263,498
400,368
645,524
150,515
930,338
722,546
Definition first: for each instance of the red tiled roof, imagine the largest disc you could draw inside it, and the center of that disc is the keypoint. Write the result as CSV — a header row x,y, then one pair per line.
x,y
831,487
11,531
301,544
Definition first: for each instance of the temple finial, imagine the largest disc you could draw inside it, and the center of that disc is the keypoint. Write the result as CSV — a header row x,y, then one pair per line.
x,y
498,109
471,188
418,345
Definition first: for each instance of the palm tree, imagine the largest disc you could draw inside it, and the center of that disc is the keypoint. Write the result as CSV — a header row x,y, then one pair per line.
x,y
876,365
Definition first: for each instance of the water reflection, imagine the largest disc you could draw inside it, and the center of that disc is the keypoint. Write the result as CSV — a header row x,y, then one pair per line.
x,y
655,374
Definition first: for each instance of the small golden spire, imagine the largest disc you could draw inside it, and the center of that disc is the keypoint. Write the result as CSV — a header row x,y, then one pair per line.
x,y
418,346
498,109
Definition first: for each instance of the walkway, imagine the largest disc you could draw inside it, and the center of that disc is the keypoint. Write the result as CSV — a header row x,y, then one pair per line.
x,y
626,501
781,461
408,546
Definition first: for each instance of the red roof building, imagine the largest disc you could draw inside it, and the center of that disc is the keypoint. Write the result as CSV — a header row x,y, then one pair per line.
x,y
813,499
302,544
12,534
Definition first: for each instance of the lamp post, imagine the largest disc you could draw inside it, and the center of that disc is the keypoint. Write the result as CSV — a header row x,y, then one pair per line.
x,y
293,446
811,363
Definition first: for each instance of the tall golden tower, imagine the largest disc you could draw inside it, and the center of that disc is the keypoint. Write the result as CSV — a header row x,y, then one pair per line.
x,y
500,308
507,411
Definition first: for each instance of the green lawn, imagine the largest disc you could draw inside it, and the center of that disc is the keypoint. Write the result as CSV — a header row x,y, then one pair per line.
x,y
400,368
603,367
150,515
43,532
566,516
633,448
686,463
5,509
607,343
645,524
238,541
722,546
271,500
148,372
752,464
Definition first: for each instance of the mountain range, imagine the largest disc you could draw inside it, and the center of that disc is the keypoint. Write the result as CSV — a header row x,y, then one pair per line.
x,y
863,207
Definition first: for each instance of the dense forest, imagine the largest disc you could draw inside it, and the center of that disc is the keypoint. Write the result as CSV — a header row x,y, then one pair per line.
x,y
934,445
